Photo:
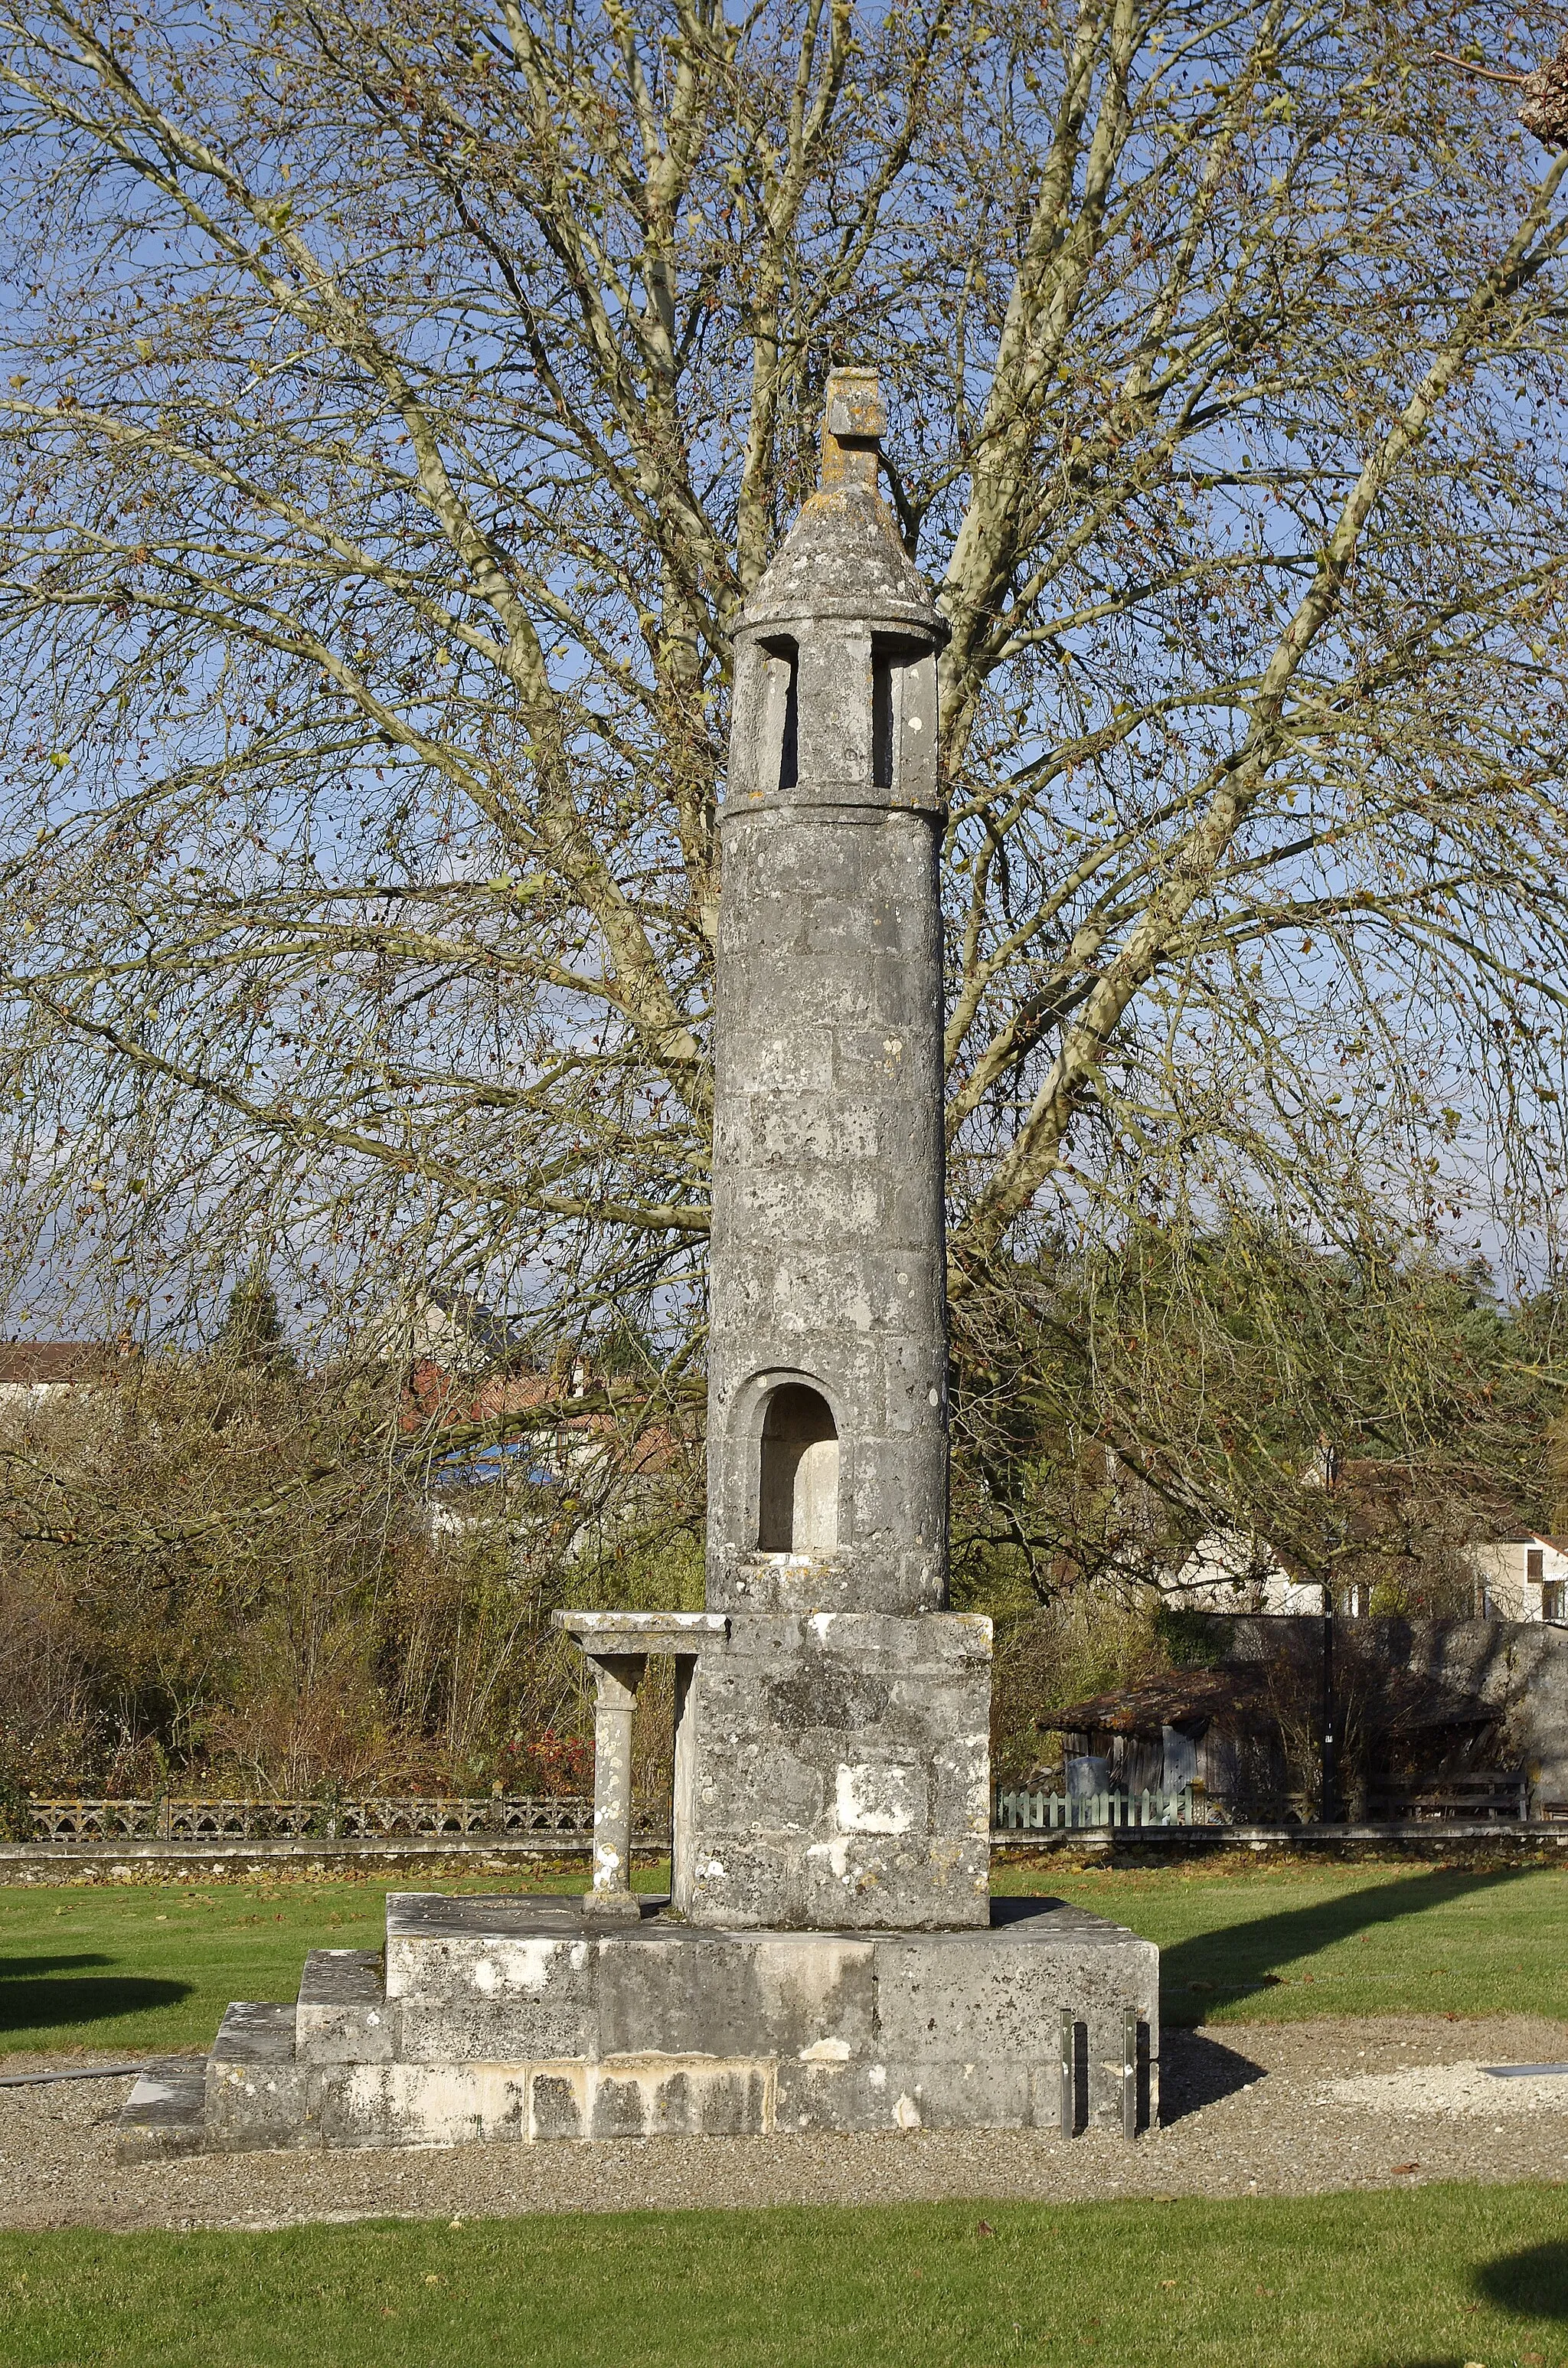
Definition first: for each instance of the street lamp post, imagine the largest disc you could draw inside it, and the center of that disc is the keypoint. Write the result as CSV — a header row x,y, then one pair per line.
x,y
1328,1799
1328,1806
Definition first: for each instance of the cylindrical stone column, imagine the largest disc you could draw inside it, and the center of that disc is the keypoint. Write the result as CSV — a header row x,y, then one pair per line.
x,y
616,1680
827,1391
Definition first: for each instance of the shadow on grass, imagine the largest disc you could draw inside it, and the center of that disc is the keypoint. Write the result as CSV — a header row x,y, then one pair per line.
x,y
23,1969
1220,1968
47,1993
1534,2281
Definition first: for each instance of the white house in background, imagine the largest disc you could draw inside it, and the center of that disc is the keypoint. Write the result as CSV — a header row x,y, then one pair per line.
x,y
1229,1572
1522,1576
35,1373
451,1329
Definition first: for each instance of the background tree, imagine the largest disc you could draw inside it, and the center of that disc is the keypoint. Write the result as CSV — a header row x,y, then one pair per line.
x,y
253,1331
1352,1426
214,1571
401,401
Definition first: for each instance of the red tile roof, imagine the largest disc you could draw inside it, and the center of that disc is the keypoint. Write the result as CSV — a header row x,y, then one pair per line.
x,y
33,1363
436,1400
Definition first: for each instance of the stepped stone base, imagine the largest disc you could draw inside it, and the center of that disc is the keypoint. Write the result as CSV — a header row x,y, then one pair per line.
x,y
523,2019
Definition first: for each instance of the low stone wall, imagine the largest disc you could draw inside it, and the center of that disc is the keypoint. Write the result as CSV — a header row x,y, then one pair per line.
x,y
202,1839
151,1861
1431,1841
1445,1841
217,1817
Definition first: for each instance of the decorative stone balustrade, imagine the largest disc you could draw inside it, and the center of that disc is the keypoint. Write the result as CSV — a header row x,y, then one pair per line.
x,y
205,1819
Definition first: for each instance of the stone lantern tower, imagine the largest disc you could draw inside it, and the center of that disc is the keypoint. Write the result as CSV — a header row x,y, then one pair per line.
x,y
832,1737
829,1957
827,1435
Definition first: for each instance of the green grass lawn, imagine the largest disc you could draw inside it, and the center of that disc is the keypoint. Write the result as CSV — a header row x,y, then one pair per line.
x,y
1242,1943
149,1967
144,1969
1430,2280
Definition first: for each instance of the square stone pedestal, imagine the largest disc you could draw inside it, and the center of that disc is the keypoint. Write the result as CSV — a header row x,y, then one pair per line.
x,y
832,1767
528,2019
832,1771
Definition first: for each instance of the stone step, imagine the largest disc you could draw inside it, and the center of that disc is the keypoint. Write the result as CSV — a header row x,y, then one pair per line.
x,y
258,2095
662,2025
165,2113
255,2031
342,2015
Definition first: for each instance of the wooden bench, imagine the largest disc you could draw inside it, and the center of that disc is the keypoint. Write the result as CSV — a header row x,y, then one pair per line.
x,y
1488,1792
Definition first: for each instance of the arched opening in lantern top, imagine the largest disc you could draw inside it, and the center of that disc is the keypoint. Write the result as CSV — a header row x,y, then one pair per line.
x,y
777,758
904,717
797,1498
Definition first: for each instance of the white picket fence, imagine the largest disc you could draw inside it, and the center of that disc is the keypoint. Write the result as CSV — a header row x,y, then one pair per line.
x,y
1059,1813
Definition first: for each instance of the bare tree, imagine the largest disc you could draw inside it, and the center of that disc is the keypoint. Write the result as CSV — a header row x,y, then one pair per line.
x,y
1347,1423
401,402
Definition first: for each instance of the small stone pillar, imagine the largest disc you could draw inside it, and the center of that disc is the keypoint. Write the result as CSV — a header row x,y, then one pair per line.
x,y
617,1645
616,1677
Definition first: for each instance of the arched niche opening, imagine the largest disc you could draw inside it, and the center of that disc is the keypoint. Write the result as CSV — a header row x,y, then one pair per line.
x,y
798,1497
778,754
903,718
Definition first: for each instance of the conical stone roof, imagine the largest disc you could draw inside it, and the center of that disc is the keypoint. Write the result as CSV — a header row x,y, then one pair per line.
x,y
842,558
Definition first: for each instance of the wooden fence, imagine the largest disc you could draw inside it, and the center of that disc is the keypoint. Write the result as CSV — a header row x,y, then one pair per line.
x,y
1059,1812
1481,1793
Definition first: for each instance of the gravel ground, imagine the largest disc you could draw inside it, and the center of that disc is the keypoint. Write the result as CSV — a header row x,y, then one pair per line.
x,y
1450,2089
1248,2110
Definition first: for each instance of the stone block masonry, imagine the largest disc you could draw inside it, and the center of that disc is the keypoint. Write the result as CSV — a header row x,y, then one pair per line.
x,y
515,2019
832,1771
827,1428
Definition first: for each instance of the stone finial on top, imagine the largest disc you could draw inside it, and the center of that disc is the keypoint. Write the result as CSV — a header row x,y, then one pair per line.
x,y
842,559
854,423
